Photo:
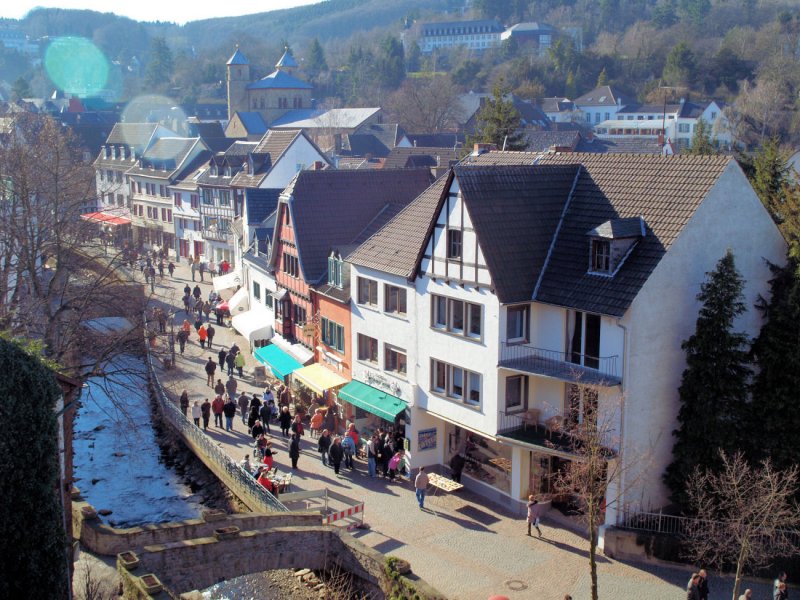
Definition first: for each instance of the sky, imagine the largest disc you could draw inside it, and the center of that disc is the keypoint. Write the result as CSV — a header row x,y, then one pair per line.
x,y
178,11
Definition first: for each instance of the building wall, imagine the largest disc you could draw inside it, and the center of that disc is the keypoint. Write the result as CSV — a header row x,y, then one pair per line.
x,y
664,314
300,155
339,313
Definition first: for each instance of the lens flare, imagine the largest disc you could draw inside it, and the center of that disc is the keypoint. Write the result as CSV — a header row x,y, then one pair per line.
x,y
76,66
153,108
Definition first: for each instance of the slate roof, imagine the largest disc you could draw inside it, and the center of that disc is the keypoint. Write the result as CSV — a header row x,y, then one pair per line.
x,y
552,105
280,80
436,140
334,118
363,145
286,60
602,96
166,156
132,134
265,154
666,191
502,158
620,228
238,58
492,25
253,122
515,211
622,145
397,247
403,158
332,209
541,141
530,27
260,203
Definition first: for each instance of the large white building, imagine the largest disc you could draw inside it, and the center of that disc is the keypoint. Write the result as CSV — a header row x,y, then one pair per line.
x,y
532,292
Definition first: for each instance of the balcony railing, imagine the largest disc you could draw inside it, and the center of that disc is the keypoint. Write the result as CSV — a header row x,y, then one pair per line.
x,y
572,367
214,234
526,427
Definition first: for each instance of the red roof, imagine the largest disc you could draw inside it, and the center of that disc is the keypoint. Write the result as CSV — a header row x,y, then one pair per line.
x,y
106,218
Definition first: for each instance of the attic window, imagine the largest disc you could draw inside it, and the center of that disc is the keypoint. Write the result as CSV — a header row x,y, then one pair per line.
x,y
335,271
601,256
214,170
227,171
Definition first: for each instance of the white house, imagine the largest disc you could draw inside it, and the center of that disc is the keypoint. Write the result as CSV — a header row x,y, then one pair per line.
x,y
475,35
543,289
601,104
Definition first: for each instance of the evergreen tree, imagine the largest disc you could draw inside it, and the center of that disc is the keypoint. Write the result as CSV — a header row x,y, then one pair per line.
x,y
390,66
771,181
159,67
714,386
32,540
680,66
21,89
413,57
702,145
570,88
602,79
776,353
498,122
316,62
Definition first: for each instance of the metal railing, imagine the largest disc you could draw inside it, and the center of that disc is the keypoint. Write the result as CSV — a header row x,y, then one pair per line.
x,y
544,360
243,481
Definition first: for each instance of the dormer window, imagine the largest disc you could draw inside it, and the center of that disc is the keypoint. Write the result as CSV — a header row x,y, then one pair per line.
x,y
335,271
105,151
227,171
122,152
610,243
113,152
214,171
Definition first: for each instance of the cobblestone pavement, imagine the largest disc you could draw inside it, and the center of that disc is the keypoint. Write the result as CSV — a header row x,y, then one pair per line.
x,y
464,546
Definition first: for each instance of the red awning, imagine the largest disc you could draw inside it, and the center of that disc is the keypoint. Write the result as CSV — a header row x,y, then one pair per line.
x,y
106,218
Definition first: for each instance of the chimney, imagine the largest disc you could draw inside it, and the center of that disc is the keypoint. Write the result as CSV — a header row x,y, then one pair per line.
x,y
318,165
483,148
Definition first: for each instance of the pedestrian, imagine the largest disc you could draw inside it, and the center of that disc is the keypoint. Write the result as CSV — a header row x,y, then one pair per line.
x,y
372,456
203,334
245,464
457,467
182,337
187,290
535,511
162,320
229,409
216,407
229,360
267,453
231,385
196,413
194,269
255,401
198,323
244,407
196,292
239,362
297,426
386,454
212,267
184,402
234,349
315,424
692,590
394,463
211,368
781,592
187,299
252,418
220,314
702,586
349,448
152,280
219,387
205,408
420,485
161,269
265,413
285,421
221,356
324,445
336,454
207,310
202,270
257,429
171,268
294,450
782,577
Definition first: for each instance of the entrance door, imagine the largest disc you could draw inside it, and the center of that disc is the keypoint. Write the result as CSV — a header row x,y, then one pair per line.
x,y
198,249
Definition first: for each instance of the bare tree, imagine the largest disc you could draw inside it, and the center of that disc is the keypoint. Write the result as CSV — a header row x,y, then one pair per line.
x,y
759,112
749,515
426,106
55,276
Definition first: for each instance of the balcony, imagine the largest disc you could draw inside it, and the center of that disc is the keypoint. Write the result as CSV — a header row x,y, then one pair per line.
x,y
573,368
212,233
524,427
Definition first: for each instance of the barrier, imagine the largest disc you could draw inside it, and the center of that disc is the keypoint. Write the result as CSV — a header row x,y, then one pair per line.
x,y
348,512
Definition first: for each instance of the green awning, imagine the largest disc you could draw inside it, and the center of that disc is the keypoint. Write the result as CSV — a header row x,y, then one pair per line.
x,y
279,362
372,400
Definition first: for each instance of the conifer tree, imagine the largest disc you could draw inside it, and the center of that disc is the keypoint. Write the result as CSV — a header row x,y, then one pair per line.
x,y
714,387
316,62
770,177
776,353
702,144
499,122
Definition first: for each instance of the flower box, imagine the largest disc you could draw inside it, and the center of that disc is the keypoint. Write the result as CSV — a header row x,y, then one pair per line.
x,y
129,560
151,583
226,533
210,516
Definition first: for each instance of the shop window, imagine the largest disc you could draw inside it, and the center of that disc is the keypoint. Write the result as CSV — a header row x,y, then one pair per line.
x,y
367,348
367,292
394,299
517,323
394,360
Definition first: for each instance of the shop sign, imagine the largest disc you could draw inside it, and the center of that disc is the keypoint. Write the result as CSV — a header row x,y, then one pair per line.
x,y
426,439
308,330
379,381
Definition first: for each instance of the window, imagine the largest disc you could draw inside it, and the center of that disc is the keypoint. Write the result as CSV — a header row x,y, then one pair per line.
x,y
713,116
224,198
394,360
454,243
394,299
334,271
300,314
291,265
208,197
455,382
583,339
367,292
456,316
162,190
608,116
268,300
517,323
177,197
683,127
333,334
516,392
367,348
256,290
601,256
195,200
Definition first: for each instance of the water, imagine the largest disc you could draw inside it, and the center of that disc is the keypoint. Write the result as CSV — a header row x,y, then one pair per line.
x,y
117,461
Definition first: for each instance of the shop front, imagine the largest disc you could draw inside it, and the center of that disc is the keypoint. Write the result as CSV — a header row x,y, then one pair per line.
x,y
371,409
280,363
314,388
485,460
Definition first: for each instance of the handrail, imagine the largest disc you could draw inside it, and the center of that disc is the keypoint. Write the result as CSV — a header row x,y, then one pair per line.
x,y
605,365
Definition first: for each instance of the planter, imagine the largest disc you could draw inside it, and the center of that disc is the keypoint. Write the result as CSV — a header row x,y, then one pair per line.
x,y
129,560
226,533
88,513
209,516
151,584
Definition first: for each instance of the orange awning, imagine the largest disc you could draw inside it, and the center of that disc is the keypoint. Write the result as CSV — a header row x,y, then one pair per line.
x,y
106,218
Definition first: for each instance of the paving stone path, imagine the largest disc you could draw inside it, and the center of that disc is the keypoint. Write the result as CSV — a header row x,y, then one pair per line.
x,y
464,546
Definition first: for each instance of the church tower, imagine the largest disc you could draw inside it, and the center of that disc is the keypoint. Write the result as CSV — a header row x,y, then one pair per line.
x,y
238,68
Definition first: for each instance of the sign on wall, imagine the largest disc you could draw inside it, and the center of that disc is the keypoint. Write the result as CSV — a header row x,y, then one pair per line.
x,y
426,439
